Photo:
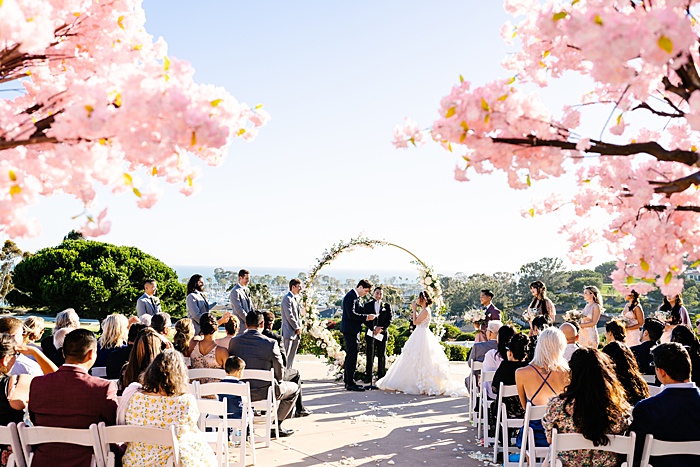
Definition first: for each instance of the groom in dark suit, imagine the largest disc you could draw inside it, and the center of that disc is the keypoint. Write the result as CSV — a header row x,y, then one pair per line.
x,y
492,314
378,326
350,326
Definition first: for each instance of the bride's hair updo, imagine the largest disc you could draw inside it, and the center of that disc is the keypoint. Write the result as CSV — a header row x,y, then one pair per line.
x,y
426,296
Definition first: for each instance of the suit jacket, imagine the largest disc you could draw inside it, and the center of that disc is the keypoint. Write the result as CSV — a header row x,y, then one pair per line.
x,y
146,305
383,319
353,314
642,353
291,316
241,306
259,353
273,335
672,415
492,313
197,305
479,350
70,398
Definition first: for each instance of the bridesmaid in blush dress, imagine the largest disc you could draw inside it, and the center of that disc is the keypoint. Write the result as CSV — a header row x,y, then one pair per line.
x,y
591,314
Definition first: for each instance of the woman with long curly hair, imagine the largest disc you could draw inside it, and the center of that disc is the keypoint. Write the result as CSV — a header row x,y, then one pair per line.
x,y
673,305
540,302
635,319
147,346
685,336
593,404
627,372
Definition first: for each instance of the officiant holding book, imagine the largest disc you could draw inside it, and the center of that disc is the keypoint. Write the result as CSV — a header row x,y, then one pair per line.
x,y
376,334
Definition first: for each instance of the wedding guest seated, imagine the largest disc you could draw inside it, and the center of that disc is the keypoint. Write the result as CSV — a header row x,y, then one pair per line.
x,y
592,404
231,326
184,332
651,333
205,353
290,374
262,353
685,336
627,372
544,377
162,401
673,414
146,320
57,358
114,336
571,334
479,350
537,325
517,349
147,346
71,398
615,332
23,364
33,330
494,357
161,323
118,358
67,318
234,370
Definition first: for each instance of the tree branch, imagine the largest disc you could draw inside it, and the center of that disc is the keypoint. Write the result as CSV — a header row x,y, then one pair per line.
x,y
26,142
677,186
646,106
656,208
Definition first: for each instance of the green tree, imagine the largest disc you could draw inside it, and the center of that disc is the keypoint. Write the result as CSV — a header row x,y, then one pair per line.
x,y
392,295
584,278
95,278
605,270
261,297
548,270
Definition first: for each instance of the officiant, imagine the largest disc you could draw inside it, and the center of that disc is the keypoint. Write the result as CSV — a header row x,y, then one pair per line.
x,y
376,334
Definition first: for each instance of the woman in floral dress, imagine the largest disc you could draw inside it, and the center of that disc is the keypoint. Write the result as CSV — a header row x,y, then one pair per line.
x,y
593,404
161,402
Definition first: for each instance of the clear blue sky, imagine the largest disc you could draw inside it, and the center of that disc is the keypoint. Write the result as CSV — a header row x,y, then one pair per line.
x,y
336,78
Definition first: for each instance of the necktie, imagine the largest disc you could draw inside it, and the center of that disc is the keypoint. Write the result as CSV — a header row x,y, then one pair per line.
x,y
153,302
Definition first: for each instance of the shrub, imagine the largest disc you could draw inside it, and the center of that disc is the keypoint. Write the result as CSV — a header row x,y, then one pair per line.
x,y
451,332
458,353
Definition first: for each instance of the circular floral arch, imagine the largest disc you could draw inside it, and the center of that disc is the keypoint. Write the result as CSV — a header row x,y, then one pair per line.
x,y
316,327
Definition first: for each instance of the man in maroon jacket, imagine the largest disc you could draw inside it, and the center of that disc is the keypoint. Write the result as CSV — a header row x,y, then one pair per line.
x,y
71,398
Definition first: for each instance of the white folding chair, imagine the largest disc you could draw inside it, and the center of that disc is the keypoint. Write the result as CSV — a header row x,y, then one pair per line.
x,y
269,404
532,412
33,436
196,373
245,423
650,379
218,438
484,403
503,391
575,441
475,368
9,436
99,371
509,445
654,390
164,437
655,448
193,388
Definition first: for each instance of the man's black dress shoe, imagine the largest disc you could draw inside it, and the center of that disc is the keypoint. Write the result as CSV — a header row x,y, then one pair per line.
x,y
282,433
303,413
354,387
371,387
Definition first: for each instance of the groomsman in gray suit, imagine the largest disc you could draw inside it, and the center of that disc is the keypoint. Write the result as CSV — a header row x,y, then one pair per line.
x,y
291,321
148,303
240,300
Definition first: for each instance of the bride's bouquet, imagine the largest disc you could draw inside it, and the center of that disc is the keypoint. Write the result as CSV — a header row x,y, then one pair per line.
x,y
530,314
573,316
476,316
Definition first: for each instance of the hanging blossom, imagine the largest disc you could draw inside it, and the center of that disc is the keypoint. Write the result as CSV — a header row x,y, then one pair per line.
x,y
643,177
102,103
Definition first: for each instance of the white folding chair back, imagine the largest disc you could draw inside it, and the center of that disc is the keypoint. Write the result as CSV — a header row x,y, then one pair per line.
x,y
654,390
32,436
193,389
9,436
99,371
655,447
484,403
503,391
268,404
575,441
505,424
532,412
474,374
650,379
164,437
245,423
195,373
218,439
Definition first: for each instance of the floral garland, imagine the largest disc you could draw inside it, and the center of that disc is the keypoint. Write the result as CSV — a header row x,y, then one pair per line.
x,y
317,328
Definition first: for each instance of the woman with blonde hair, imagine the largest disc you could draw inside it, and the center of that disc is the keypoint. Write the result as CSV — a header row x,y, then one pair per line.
x,y
115,332
67,318
588,336
33,330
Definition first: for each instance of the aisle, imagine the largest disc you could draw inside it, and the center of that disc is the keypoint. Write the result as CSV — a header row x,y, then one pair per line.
x,y
372,427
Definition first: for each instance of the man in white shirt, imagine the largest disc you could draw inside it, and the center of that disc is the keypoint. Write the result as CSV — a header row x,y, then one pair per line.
x,y
571,334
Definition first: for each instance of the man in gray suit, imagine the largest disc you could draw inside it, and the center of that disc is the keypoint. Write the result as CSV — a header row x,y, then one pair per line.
x,y
148,303
262,353
240,300
291,321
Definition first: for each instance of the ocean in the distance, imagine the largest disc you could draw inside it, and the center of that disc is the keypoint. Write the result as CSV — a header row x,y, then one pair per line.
x,y
289,273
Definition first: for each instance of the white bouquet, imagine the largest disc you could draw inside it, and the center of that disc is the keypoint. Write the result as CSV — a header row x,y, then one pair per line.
x,y
530,314
475,316
622,319
573,316
662,316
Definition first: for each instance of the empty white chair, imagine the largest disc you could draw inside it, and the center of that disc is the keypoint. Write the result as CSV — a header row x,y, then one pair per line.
x,y
650,379
164,437
655,447
30,437
244,424
218,439
575,441
196,373
475,372
654,390
269,404
99,371
532,412
484,403
503,391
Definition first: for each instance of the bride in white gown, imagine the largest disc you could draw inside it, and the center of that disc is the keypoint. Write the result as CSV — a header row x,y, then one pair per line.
x,y
422,367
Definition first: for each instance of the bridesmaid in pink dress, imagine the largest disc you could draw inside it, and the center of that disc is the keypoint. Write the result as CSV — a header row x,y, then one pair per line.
x,y
635,315
591,314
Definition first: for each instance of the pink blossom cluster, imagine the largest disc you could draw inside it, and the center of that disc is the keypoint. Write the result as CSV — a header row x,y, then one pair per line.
x,y
637,55
103,104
